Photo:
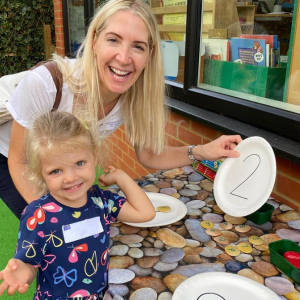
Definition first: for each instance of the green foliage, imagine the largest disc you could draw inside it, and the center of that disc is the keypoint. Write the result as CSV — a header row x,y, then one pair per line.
x,y
21,33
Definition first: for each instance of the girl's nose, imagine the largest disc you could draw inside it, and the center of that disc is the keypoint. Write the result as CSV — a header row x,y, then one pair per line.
x,y
70,176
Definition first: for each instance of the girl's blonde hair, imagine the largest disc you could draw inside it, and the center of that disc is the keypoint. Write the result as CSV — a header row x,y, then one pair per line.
x,y
144,109
56,133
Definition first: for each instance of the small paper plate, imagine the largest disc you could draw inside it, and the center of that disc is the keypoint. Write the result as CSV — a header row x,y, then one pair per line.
x,y
222,286
242,185
178,211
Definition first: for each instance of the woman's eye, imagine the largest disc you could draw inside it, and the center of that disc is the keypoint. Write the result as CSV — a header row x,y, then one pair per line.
x,y
54,172
80,163
112,40
139,47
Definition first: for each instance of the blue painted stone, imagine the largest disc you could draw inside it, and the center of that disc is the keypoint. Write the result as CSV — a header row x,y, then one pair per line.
x,y
234,266
144,183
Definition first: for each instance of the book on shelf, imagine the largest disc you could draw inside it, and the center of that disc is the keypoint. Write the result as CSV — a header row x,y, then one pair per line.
x,y
272,40
249,51
174,19
217,49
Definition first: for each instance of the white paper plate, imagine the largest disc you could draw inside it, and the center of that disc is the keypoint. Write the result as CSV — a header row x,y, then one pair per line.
x,y
242,185
178,211
222,286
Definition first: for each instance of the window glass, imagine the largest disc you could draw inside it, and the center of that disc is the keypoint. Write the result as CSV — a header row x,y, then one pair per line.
x,y
76,23
171,19
244,50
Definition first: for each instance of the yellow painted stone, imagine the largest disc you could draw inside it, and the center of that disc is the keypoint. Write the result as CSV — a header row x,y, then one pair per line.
x,y
163,209
242,228
213,232
245,247
226,225
207,224
221,240
293,295
255,240
232,250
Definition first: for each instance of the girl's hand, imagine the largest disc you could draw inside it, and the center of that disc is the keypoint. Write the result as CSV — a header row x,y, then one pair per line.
x,y
15,277
109,176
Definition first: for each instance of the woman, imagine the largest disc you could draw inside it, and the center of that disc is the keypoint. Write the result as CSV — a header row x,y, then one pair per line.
x,y
118,77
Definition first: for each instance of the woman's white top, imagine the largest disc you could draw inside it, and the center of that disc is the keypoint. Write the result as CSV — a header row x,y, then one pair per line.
x,y
35,95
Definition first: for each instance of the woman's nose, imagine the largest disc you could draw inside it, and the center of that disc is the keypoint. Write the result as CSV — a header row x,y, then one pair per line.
x,y
124,55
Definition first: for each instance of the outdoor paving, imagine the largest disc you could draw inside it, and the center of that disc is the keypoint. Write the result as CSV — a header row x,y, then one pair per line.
x,y
150,263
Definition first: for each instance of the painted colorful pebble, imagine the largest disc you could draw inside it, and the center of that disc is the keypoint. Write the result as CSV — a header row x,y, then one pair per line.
x,y
232,250
213,232
163,209
255,240
245,247
226,225
207,224
293,257
242,228
221,240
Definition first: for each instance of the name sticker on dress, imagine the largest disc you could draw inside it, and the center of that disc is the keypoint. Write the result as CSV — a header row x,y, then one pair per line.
x,y
82,229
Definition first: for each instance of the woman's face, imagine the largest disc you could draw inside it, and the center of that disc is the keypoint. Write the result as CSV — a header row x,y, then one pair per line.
x,y
122,51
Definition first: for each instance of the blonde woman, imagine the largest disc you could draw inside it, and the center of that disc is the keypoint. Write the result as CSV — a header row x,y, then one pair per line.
x,y
118,78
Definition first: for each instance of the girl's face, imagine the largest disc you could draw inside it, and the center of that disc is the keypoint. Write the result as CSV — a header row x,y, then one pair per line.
x,y
122,52
69,176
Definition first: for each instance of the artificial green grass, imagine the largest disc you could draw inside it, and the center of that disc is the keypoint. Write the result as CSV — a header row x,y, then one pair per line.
x,y
9,227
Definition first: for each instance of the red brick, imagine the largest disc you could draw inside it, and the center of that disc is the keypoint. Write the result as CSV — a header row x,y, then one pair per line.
x,y
123,146
188,136
132,154
141,171
173,142
128,161
288,187
205,131
180,120
286,201
172,129
60,44
118,133
61,51
288,168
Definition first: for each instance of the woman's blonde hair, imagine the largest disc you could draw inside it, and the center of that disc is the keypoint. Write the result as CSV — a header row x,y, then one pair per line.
x,y
144,110
56,133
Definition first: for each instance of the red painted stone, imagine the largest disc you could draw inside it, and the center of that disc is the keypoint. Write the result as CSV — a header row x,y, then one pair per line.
x,y
293,257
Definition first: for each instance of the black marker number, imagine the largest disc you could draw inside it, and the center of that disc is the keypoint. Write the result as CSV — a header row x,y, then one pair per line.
x,y
259,161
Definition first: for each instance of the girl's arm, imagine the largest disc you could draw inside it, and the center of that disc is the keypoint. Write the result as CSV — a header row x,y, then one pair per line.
x,y
16,163
138,208
175,157
17,276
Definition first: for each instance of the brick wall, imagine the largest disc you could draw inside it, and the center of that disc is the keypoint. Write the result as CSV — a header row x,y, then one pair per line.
x,y
182,131
59,27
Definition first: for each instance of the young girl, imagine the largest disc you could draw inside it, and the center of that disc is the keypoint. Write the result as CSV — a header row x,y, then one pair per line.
x,y
65,234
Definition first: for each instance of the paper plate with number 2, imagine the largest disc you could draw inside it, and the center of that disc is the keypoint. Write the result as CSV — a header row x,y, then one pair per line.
x,y
242,185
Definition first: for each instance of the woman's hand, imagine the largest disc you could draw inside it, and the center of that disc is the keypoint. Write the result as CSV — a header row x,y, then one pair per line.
x,y
219,148
16,277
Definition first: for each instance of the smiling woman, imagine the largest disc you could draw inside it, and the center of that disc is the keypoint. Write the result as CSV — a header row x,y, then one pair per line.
x,y
117,78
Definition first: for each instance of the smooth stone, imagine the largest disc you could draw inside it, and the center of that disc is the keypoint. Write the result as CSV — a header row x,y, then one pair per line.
x,y
118,289
152,252
196,231
158,244
127,229
206,210
177,184
207,185
215,218
172,281
114,231
118,250
187,192
172,255
192,259
192,251
182,231
151,188
120,262
234,266
266,226
191,270
211,252
188,169
184,199
135,253
231,236
164,267
294,224
274,203
194,212
148,261
264,268
285,207
119,276
267,238
195,176
162,184
279,285
168,191
192,243
224,258
118,297
193,187
201,195
289,234
234,220
153,179
251,275
195,204
173,173
140,271
107,296
244,257
135,245
146,244
171,238
144,293
144,183
157,274
142,282
165,296
288,216
143,233
131,239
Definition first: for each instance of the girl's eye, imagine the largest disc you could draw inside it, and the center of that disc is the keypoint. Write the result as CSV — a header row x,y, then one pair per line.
x,y
54,172
80,163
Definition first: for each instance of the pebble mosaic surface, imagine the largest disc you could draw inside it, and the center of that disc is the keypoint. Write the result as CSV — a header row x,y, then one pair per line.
x,y
150,263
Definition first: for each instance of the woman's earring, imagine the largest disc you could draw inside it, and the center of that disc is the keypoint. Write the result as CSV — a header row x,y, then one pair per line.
x,y
145,68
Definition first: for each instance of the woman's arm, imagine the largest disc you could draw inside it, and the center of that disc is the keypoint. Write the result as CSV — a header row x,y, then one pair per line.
x,y
16,163
138,208
174,157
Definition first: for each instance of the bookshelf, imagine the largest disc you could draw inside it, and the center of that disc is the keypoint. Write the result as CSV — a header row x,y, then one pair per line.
x,y
246,15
